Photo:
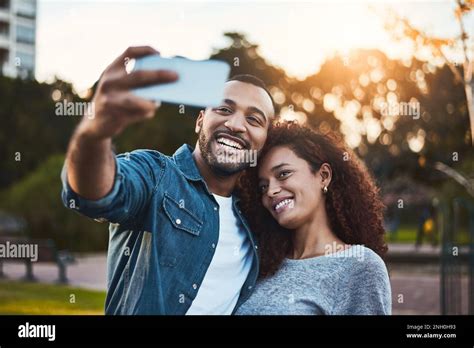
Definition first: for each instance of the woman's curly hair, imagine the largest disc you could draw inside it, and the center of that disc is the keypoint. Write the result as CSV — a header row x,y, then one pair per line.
x,y
353,206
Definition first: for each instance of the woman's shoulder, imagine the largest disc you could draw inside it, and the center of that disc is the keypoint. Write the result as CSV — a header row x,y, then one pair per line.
x,y
370,257
366,263
365,287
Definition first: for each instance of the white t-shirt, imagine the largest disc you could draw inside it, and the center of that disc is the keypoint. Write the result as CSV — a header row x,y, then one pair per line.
x,y
229,267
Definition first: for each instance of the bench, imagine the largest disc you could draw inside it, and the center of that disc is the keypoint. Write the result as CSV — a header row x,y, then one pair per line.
x,y
46,251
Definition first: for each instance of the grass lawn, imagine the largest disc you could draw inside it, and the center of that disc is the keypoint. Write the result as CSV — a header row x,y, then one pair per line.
x,y
36,298
407,234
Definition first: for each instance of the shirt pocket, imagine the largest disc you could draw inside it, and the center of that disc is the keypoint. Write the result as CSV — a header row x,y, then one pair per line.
x,y
181,217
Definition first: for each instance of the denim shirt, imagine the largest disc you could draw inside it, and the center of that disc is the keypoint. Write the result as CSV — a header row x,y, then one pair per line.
x,y
164,227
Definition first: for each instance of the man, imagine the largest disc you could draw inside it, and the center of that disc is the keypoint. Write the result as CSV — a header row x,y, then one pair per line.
x,y
178,242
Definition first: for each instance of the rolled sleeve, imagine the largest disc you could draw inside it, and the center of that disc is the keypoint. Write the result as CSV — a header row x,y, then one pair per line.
x,y
134,182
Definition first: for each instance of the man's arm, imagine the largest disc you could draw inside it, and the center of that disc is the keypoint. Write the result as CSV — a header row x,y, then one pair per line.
x,y
90,166
90,160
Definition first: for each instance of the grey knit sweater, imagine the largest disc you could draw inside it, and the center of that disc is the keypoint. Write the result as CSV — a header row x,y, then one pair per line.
x,y
349,282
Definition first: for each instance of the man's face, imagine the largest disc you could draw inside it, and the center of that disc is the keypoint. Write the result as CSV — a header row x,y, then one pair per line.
x,y
231,134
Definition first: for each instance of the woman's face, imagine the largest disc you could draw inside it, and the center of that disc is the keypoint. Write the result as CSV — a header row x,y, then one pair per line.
x,y
290,191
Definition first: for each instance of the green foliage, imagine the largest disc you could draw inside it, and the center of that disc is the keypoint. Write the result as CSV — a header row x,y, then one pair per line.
x,y
37,198
166,132
30,126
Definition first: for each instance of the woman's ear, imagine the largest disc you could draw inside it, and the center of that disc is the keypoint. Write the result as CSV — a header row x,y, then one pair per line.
x,y
326,174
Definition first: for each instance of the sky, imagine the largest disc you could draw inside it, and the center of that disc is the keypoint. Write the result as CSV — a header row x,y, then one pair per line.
x,y
76,40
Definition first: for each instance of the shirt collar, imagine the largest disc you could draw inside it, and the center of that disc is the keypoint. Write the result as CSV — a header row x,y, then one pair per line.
x,y
185,161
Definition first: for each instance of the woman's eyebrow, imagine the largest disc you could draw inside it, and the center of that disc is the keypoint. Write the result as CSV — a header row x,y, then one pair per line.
x,y
279,166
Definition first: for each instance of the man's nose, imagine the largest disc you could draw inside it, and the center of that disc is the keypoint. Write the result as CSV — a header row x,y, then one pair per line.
x,y
236,123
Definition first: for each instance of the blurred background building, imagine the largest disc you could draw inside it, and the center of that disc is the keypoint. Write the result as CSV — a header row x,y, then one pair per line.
x,y
17,38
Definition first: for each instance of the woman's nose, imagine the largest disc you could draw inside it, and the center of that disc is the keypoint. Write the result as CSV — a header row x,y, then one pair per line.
x,y
273,190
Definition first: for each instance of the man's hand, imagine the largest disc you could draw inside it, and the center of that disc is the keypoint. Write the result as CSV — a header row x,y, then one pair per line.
x,y
90,159
115,105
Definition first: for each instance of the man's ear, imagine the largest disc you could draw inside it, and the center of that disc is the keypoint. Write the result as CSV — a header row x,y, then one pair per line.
x,y
199,121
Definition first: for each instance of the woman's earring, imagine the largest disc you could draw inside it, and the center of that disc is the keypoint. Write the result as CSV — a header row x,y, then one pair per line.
x,y
325,189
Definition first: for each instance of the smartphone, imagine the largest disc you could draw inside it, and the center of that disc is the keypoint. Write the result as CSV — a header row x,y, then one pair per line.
x,y
200,82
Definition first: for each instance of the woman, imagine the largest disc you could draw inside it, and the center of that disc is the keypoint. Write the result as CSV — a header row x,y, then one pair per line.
x,y
319,224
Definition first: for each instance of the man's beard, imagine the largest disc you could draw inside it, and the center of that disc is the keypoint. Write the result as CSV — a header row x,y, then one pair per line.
x,y
219,167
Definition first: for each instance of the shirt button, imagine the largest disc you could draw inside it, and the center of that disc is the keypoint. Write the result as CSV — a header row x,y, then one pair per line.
x,y
195,286
256,247
178,221
213,246
250,287
215,208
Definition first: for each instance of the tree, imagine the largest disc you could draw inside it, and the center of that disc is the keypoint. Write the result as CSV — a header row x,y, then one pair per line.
x,y
462,72
37,198
31,131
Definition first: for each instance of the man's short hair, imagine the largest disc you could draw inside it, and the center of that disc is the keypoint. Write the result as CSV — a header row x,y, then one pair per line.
x,y
254,80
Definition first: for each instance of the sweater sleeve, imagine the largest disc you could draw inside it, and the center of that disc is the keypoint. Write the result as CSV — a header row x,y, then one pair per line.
x,y
365,290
